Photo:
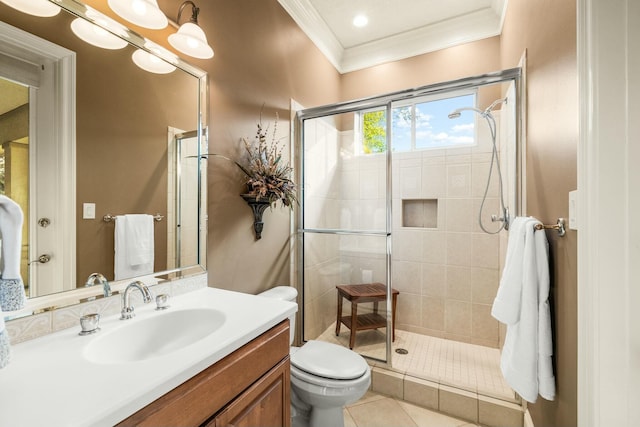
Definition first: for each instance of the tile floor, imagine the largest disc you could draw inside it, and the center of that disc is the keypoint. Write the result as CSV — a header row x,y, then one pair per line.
x,y
375,410
469,367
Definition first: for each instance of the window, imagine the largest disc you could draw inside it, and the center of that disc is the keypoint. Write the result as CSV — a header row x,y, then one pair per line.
x,y
374,131
420,124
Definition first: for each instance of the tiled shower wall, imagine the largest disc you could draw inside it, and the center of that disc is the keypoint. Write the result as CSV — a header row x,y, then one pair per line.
x,y
447,269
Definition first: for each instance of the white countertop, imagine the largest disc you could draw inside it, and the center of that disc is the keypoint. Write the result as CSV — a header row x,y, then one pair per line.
x,y
50,383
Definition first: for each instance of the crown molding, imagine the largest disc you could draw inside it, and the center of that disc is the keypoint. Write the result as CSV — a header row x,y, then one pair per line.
x,y
461,29
312,24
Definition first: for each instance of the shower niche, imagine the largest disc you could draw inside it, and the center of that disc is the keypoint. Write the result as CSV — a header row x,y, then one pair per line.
x,y
421,213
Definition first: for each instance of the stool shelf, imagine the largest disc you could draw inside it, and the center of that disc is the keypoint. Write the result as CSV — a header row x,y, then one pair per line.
x,y
365,321
363,293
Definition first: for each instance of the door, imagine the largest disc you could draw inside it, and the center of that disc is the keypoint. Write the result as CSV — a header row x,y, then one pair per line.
x,y
345,227
48,200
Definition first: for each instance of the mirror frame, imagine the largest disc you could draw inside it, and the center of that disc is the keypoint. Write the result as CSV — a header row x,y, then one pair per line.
x,y
62,299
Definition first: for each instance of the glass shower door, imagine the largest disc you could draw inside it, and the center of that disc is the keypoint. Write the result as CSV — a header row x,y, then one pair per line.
x,y
345,229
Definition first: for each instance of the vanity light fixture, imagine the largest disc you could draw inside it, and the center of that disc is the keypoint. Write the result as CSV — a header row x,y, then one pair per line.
x,y
143,13
190,39
42,8
150,62
97,35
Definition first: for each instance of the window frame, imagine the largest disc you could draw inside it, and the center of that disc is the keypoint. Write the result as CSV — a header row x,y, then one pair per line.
x,y
412,102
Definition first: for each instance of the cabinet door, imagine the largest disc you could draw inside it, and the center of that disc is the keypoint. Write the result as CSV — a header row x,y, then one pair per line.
x,y
266,403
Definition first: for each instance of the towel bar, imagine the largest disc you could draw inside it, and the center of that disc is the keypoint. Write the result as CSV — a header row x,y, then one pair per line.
x,y
559,226
111,218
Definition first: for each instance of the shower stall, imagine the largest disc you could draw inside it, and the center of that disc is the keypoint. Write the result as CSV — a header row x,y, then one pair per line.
x,y
411,190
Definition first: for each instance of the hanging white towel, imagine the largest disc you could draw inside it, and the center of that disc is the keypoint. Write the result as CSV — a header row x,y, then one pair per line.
x,y
12,293
11,219
134,252
522,303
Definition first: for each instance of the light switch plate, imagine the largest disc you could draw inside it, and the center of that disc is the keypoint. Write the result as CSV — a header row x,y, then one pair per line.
x,y
88,211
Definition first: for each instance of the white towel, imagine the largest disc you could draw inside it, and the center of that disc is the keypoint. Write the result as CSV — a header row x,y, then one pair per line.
x,y
506,306
139,229
12,293
522,303
11,219
134,253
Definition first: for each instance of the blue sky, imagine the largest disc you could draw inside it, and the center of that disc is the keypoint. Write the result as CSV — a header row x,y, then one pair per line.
x,y
434,129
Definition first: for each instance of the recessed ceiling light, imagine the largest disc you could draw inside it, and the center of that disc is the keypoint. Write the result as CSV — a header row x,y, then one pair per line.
x,y
360,21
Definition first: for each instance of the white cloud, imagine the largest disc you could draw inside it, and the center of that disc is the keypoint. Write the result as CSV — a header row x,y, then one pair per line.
x,y
440,139
466,128
441,136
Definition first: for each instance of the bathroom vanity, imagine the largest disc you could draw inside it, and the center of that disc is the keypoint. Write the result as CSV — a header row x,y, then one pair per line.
x,y
249,387
214,357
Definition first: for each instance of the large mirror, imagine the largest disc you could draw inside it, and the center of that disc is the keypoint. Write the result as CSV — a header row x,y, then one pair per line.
x,y
88,137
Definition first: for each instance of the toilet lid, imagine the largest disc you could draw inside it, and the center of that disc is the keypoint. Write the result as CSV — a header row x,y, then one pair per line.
x,y
329,361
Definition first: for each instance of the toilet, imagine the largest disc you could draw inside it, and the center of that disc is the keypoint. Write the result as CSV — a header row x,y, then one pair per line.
x,y
324,377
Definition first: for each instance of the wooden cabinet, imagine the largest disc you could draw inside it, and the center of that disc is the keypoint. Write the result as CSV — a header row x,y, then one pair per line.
x,y
260,405
249,387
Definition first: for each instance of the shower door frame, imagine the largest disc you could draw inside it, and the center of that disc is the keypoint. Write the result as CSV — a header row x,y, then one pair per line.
x,y
386,100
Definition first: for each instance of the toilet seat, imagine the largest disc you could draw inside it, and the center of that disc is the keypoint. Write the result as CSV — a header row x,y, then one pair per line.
x,y
329,361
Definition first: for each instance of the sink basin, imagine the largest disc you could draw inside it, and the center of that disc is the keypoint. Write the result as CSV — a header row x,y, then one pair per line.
x,y
157,335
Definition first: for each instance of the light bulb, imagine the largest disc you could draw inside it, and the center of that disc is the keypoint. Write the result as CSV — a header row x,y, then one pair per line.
x,y
144,13
42,8
139,7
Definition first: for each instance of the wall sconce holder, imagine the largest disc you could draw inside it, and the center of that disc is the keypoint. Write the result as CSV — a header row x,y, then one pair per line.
x,y
257,207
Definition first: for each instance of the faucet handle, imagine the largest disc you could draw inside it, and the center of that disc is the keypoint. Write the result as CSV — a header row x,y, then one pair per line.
x,y
162,302
89,324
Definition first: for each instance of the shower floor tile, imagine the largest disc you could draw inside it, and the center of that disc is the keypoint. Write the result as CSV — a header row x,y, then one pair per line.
x,y
467,366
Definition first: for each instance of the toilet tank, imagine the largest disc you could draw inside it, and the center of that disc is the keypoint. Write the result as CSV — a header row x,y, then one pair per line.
x,y
286,293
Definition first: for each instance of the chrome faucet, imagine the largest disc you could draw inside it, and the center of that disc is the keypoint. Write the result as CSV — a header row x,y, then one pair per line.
x,y
97,278
127,308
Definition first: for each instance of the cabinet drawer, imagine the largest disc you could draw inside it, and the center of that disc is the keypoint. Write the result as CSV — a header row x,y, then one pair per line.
x,y
196,400
266,403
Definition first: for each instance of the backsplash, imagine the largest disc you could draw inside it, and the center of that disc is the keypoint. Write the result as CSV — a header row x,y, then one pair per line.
x,y
28,328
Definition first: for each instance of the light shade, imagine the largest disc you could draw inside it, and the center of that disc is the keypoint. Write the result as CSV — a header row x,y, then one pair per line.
x,y
42,8
95,35
150,62
143,13
191,40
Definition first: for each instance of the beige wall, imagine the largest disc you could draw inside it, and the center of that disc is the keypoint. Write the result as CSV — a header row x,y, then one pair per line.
x,y
547,30
261,58
448,64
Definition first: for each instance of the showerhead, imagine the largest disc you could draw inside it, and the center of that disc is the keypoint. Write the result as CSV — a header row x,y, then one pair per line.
x,y
484,113
458,112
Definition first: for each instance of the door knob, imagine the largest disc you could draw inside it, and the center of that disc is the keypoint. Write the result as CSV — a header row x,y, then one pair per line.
x,y
44,222
42,259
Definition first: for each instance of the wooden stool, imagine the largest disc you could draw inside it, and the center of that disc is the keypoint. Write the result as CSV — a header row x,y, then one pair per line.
x,y
367,292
